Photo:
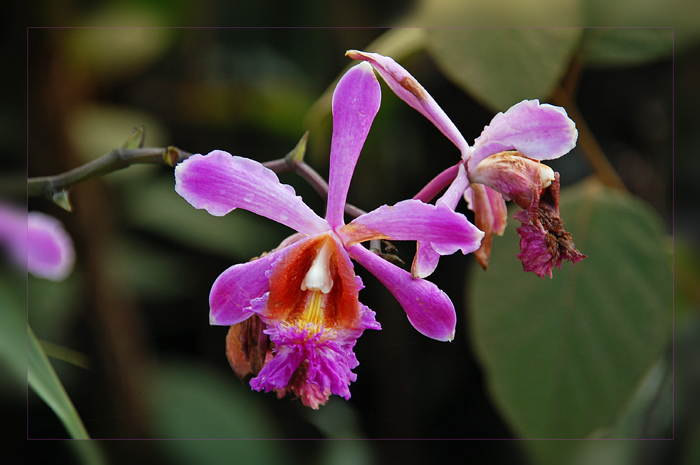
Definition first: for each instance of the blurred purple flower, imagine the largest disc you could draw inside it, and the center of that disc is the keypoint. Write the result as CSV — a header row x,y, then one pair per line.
x,y
502,165
36,243
294,312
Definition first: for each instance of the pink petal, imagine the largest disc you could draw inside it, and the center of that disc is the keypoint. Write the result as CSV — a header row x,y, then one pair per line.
x,y
495,204
408,89
219,183
426,259
50,252
538,131
36,242
231,295
428,308
355,103
490,215
413,220
453,194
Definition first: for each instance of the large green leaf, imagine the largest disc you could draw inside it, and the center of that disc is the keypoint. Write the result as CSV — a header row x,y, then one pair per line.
x,y
43,379
563,356
22,360
500,67
503,13
626,46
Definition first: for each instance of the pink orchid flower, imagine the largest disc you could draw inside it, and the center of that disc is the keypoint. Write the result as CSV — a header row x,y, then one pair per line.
x,y
37,243
294,312
503,164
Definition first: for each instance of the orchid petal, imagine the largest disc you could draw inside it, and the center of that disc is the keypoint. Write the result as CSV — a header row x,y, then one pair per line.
x,y
539,131
453,194
426,259
494,201
412,220
408,89
36,242
490,215
50,252
234,290
219,183
356,101
428,308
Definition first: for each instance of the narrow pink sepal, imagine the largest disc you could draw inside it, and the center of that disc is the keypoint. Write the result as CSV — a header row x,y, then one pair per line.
x,y
427,257
231,295
425,261
539,131
454,192
356,101
220,182
408,89
428,308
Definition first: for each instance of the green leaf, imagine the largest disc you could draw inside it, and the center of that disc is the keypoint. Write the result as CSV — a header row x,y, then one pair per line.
x,y
501,67
650,412
45,382
503,13
626,46
338,420
563,356
189,401
13,352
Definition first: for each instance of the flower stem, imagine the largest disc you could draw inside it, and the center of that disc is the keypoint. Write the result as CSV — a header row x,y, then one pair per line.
x,y
119,158
56,187
438,183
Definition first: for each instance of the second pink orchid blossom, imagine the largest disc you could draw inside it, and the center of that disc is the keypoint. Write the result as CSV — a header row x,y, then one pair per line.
x,y
503,164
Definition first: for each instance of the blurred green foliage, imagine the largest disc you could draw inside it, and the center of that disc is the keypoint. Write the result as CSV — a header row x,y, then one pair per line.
x,y
502,69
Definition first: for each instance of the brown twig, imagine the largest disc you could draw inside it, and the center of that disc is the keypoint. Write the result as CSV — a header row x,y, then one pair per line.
x,y
587,141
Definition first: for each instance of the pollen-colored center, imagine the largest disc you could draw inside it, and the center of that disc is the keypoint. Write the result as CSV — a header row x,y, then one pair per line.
x,y
313,315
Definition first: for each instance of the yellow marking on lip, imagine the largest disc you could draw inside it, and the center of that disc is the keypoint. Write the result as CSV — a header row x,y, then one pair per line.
x,y
312,317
